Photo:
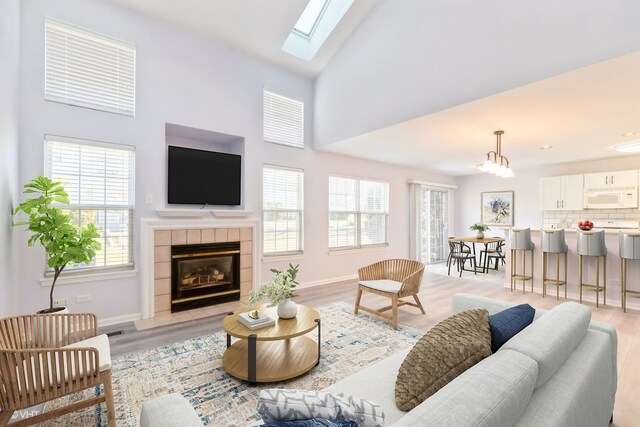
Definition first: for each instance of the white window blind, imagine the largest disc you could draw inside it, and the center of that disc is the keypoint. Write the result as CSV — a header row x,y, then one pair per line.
x,y
358,212
100,181
283,119
283,206
89,70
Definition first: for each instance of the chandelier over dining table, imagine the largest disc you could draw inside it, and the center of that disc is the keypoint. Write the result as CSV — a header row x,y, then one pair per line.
x,y
496,163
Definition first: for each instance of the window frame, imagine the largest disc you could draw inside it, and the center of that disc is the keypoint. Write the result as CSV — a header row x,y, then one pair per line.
x,y
300,211
301,145
358,212
89,97
103,269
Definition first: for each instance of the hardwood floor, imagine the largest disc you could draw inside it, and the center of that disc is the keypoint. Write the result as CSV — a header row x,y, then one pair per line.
x,y
435,294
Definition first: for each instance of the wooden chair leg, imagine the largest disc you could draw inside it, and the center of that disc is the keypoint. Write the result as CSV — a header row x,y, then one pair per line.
x,y
415,297
358,297
108,394
394,309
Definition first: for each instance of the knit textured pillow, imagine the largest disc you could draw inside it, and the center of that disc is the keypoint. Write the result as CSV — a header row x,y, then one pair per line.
x,y
444,352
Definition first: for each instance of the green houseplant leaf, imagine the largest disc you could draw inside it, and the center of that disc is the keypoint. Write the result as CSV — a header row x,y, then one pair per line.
x,y
65,243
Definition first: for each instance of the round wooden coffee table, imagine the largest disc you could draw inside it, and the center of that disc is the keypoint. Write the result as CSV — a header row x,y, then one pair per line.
x,y
274,353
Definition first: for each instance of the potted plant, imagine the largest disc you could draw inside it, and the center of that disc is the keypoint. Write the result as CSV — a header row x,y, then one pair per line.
x,y
479,228
279,292
65,243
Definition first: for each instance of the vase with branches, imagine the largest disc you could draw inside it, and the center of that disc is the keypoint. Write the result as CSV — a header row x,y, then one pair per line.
x,y
65,243
279,292
479,228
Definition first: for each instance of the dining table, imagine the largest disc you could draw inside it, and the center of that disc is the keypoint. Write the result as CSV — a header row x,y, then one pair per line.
x,y
475,239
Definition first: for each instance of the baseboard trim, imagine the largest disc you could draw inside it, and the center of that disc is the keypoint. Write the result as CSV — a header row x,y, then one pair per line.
x,y
119,319
339,279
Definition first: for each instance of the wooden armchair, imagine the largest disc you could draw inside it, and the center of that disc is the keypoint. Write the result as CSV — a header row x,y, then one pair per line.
x,y
392,278
44,357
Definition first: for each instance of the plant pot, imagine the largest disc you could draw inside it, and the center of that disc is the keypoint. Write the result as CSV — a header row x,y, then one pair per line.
x,y
480,234
287,310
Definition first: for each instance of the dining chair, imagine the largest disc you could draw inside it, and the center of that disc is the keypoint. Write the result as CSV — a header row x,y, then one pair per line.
x,y
392,278
48,356
452,241
492,251
460,254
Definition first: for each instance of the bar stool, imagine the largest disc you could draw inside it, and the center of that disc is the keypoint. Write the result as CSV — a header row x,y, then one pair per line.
x,y
520,240
629,249
553,242
591,243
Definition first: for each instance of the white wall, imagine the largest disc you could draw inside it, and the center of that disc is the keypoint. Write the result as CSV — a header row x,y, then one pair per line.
x,y
183,79
9,80
410,58
526,187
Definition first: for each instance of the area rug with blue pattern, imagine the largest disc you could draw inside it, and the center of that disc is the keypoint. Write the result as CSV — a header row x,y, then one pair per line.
x,y
194,369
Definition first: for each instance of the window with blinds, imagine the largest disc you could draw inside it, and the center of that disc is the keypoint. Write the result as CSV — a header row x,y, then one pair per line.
x,y
358,212
87,69
282,210
99,178
283,119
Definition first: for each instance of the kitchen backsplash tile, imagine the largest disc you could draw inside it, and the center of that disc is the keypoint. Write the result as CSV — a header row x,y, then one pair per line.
x,y
550,218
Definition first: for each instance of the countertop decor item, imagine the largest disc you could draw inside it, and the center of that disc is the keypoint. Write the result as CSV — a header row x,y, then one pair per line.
x,y
585,225
65,243
279,292
479,228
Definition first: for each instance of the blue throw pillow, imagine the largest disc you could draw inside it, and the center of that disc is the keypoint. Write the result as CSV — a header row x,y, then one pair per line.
x,y
507,323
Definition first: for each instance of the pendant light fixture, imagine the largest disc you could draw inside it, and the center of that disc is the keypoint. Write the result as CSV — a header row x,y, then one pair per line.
x,y
496,163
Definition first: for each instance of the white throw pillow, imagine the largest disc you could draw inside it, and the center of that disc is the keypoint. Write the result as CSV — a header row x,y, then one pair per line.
x,y
276,405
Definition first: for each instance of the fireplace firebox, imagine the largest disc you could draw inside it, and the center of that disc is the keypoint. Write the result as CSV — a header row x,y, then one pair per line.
x,y
205,274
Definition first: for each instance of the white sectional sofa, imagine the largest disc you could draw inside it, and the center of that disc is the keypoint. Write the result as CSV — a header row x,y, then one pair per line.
x,y
559,371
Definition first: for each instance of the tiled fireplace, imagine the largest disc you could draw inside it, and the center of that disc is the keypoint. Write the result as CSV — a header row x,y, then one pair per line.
x,y
201,280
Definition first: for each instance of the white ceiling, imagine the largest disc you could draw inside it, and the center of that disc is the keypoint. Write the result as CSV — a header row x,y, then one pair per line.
x,y
581,113
255,27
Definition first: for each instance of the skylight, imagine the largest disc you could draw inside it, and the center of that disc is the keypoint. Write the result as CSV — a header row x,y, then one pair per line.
x,y
310,17
317,22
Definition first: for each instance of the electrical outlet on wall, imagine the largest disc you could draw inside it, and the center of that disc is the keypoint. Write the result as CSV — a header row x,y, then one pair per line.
x,y
61,302
84,298
149,199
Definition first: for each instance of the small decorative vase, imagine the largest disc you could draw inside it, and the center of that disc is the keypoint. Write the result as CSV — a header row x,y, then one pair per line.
x,y
480,234
288,309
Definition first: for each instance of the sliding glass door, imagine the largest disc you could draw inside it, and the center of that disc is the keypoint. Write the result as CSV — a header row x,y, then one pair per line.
x,y
432,223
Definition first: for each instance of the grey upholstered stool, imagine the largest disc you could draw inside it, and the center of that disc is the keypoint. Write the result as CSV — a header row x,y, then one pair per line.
x,y
591,243
629,249
552,242
520,240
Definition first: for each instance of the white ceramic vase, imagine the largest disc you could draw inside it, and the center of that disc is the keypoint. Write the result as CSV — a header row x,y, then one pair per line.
x,y
480,235
288,309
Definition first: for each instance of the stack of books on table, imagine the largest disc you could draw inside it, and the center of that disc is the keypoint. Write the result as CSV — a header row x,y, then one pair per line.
x,y
261,322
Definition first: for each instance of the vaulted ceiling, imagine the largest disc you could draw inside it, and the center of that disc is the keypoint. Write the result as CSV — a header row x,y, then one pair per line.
x,y
424,83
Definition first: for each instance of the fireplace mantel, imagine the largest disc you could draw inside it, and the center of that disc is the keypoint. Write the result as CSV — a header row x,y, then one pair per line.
x,y
148,227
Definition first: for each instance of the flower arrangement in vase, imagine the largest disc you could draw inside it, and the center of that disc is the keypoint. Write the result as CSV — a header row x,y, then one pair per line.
x,y
479,228
279,292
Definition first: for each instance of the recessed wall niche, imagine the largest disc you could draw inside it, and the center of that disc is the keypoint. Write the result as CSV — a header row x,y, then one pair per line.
x,y
202,139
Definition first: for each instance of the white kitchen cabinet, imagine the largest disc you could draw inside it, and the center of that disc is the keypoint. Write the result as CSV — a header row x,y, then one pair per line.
x,y
594,181
562,193
551,193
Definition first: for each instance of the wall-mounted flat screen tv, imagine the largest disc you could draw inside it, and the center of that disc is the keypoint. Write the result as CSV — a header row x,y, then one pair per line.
x,y
198,177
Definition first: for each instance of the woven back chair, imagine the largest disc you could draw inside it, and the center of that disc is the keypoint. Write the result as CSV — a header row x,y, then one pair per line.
x,y
392,278
45,357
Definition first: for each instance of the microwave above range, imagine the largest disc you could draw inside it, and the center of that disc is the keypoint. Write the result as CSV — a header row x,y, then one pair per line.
x,y
611,198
